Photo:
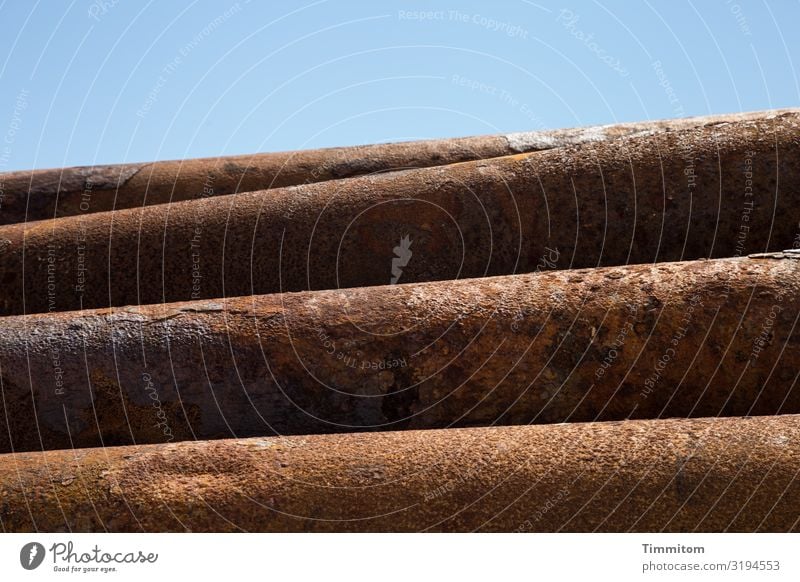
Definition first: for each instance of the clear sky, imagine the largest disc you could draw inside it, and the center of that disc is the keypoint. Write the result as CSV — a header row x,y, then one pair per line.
x,y
106,81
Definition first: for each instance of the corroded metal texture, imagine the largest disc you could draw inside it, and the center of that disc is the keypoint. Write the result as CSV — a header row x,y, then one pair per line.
x,y
701,338
42,194
710,475
720,190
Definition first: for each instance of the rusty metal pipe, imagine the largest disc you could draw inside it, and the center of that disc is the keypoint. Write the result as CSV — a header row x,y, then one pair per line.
x,y
702,338
709,475
30,195
720,190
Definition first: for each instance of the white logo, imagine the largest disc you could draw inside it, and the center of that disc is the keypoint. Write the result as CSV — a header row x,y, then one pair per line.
x,y
402,256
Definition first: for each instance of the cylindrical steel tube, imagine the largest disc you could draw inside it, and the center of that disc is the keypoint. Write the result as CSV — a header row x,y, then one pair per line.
x,y
703,338
30,195
715,191
709,475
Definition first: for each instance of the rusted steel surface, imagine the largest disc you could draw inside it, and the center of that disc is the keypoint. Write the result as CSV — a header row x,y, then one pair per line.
x,y
709,475
42,194
720,190
701,338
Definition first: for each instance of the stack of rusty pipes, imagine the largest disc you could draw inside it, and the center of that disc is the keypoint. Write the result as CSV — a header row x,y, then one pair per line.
x,y
577,330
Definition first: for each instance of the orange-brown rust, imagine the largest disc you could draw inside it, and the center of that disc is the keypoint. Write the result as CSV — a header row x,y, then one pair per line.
x,y
43,194
709,475
703,338
714,191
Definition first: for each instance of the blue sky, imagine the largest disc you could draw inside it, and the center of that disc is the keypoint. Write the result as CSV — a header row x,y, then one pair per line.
x,y
107,81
